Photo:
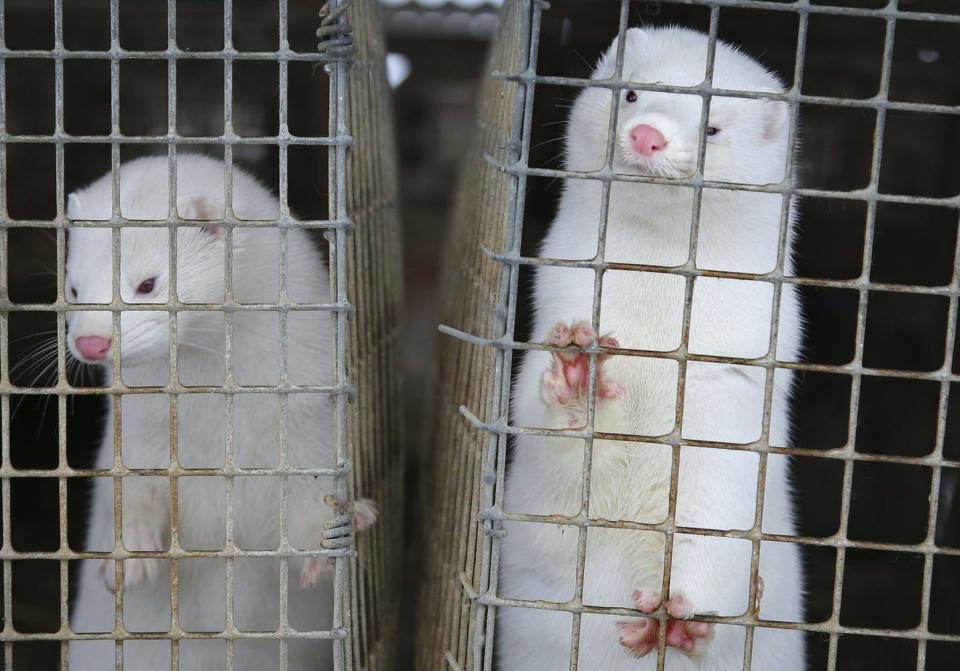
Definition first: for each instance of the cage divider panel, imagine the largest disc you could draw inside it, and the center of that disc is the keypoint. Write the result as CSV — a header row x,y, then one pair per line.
x,y
375,288
455,552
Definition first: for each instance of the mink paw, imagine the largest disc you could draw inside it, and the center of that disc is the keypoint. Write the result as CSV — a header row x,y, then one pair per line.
x,y
338,533
314,568
137,537
135,572
566,384
640,637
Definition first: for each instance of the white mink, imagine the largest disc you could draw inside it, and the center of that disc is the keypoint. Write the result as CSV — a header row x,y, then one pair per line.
x,y
658,134
200,417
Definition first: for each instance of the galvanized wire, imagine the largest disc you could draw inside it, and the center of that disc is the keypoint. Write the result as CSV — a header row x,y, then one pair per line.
x,y
485,343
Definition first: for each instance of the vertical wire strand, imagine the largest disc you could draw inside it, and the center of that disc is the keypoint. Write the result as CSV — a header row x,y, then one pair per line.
x,y
338,69
284,214
173,298
230,630
862,304
61,331
230,301
115,398
7,624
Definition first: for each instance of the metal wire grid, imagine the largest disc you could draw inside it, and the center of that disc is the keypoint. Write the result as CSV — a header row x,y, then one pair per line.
x,y
336,230
479,582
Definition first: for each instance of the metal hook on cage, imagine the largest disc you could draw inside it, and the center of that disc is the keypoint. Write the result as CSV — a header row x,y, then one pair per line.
x,y
335,38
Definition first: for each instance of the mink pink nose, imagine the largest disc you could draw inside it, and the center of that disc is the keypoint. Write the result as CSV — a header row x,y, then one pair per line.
x,y
93,348
647,140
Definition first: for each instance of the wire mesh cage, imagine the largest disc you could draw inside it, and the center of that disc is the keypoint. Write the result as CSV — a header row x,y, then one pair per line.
x,y
238,471
873,264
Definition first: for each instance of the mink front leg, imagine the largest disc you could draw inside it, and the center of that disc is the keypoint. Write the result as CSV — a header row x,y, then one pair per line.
x,y
145,506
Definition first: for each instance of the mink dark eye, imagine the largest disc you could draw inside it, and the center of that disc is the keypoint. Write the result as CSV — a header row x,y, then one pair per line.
x,y
146,287
631,96
712,130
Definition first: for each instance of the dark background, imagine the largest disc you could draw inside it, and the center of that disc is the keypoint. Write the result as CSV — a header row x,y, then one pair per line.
x,y
434,110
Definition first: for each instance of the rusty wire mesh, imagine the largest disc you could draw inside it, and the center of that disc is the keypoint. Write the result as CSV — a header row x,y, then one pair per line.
x,y
484,253
361,229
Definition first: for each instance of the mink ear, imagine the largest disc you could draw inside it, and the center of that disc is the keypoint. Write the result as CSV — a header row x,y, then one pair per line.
x,y
776,119
216,232
199,208
607,67
776,114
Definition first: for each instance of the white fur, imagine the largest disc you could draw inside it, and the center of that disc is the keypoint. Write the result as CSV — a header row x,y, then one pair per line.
x,y
146,435
650,224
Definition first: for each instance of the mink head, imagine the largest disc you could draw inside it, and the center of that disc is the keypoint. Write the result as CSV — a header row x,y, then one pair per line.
x,y
658,133
145,258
